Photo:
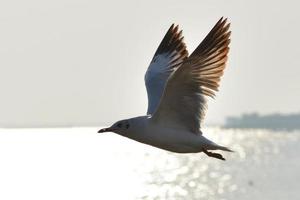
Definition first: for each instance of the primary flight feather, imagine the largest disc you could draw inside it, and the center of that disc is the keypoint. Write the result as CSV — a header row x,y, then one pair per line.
x,y
177,87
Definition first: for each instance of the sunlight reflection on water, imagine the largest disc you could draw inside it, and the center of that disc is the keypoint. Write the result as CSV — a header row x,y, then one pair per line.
x,y
254,170
80,164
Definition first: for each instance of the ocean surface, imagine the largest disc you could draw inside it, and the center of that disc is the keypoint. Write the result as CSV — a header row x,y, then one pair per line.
x,y
78,163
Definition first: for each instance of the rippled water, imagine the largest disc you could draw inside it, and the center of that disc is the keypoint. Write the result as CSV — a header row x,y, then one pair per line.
x,y
80,164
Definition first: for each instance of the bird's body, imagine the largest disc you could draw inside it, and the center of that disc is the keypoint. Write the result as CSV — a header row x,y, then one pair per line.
x,y
176,139
177,86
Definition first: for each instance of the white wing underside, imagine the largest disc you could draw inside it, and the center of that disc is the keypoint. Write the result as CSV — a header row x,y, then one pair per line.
x,y
168,57
177,96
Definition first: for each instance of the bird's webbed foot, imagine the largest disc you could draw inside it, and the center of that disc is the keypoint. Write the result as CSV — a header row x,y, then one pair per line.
x,y
215,155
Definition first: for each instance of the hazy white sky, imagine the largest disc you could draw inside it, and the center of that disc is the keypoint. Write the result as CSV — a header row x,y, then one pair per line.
x,y
82,62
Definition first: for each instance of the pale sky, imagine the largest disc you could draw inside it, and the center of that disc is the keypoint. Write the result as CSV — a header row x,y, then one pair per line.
x,y
82,62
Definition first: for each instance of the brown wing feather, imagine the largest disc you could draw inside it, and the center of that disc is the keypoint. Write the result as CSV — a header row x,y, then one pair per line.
x,y
183,101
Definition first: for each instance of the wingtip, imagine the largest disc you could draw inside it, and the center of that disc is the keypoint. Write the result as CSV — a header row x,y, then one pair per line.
x,y
220,20
171,27
176,28
223,18
223,21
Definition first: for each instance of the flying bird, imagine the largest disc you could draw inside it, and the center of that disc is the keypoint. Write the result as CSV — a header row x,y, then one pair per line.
x,y
178,85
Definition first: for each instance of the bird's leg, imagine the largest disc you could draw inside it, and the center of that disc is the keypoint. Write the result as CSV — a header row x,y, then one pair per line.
x,y
215,155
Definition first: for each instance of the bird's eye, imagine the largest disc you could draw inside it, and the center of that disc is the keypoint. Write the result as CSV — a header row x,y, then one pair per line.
x,y
127,126
119,125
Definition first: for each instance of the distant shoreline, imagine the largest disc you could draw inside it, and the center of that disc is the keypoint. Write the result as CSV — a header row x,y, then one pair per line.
x,y
272,121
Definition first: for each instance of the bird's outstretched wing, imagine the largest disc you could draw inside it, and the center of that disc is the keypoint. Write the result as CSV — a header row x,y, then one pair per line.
x,y
183,102
167,58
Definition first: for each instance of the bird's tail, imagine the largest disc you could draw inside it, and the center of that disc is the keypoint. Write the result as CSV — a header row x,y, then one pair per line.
x,y
218,147
210,145
214,146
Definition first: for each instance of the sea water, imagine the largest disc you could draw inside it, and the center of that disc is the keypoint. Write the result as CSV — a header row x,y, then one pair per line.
x,y
78,163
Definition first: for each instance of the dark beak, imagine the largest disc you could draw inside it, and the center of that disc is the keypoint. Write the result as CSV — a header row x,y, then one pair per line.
x,y
105,130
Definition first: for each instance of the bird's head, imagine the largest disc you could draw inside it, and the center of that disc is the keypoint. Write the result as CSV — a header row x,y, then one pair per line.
x,y
120,127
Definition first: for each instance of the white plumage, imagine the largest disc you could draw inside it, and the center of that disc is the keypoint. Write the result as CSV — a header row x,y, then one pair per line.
x,y
177,86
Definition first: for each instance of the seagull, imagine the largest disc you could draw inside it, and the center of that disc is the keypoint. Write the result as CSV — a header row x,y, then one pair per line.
x,y
178,85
